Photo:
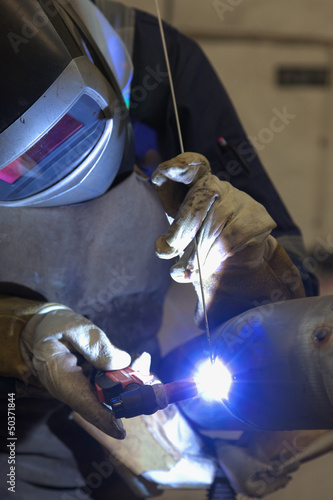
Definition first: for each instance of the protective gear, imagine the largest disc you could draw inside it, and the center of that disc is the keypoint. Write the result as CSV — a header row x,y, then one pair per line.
x,y
240,262
52,343
14,315
79,255
72,152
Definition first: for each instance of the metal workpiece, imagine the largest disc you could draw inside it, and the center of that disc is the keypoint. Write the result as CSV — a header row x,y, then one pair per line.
x,y
281,358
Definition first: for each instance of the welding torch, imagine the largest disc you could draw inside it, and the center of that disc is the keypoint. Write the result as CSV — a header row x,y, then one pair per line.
x,y
128,394
260,377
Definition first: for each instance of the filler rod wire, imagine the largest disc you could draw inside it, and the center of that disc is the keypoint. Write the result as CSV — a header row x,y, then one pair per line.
x,y
182,151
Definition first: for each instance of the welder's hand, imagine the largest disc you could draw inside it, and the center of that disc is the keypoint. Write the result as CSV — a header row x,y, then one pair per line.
x,y
233,237
56,345
224,219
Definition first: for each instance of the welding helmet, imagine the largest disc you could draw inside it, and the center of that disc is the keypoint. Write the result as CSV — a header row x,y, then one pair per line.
x,y
64,128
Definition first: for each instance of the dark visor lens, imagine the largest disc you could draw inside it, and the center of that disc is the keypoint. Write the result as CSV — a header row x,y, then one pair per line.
x,y
56,154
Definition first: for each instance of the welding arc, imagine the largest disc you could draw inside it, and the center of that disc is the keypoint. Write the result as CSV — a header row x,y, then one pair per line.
x,y
182,151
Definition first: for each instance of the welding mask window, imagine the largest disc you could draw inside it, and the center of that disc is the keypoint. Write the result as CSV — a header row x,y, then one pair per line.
x,y
60,151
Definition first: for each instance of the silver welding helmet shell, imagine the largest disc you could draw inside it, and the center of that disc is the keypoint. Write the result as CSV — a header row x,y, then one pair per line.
x,y
64,127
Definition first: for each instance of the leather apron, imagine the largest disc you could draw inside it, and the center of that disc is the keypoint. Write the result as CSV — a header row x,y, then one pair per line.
x,y
96,257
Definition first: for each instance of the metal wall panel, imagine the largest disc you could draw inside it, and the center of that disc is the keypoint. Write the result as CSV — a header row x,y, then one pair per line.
x,y
299,17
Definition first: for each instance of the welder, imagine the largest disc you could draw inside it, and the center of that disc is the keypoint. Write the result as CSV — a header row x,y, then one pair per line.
x,y
86,119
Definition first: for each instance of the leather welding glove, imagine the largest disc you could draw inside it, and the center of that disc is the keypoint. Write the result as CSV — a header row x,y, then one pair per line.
x,y
55,344
242,265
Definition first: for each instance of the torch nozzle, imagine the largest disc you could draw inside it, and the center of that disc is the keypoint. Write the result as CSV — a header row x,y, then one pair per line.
x,y
180,390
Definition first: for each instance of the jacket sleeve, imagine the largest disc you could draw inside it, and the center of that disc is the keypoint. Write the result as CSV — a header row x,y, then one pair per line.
x,y
206,113
15,312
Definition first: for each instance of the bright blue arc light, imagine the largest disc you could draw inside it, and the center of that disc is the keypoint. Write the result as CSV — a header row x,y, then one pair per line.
x,y
213,380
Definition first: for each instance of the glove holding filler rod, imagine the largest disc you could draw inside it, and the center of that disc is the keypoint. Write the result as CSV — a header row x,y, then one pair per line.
x,y
242,265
